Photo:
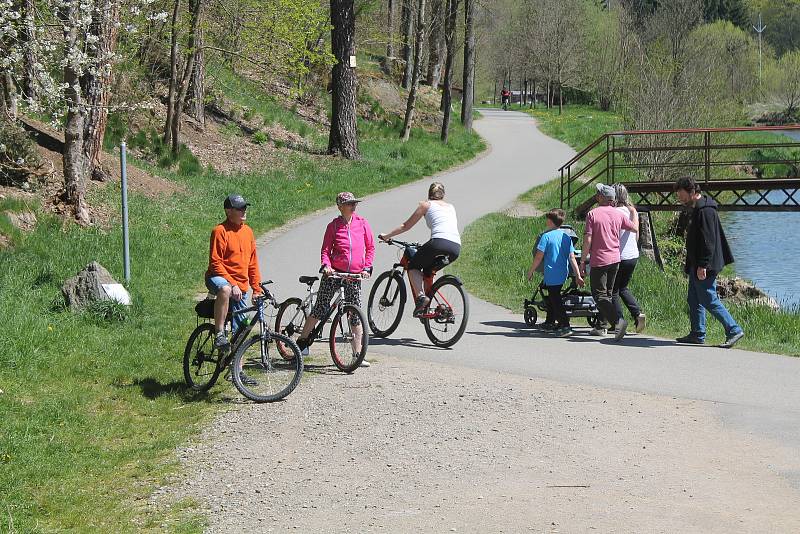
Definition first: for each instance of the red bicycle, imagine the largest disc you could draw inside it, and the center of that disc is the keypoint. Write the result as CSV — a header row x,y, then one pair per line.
x,y
446,317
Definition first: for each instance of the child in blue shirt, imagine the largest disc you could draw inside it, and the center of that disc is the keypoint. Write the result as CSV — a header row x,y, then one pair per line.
x,y
556,252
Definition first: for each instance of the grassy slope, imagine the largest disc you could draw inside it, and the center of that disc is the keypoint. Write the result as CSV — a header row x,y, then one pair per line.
x,y
92,411
660,293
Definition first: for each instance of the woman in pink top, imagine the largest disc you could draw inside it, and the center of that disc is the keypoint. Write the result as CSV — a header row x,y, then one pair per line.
x,y
347,247
601,241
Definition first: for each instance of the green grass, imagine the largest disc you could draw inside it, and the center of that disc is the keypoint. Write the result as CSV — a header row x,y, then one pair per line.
x,y
93,405
660,293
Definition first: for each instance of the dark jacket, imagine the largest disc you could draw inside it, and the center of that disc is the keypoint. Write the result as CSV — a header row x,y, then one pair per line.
x,y
706,245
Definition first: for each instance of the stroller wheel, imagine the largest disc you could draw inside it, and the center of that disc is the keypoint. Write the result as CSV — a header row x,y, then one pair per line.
x,y
531,315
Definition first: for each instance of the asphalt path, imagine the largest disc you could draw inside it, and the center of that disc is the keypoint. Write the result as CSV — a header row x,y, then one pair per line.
x,y
754,392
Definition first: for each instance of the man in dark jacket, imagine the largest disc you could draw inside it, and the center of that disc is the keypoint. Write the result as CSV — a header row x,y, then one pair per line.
x,y
707,252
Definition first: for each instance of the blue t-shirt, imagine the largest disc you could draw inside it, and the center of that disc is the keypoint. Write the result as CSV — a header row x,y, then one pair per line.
x,y
556,246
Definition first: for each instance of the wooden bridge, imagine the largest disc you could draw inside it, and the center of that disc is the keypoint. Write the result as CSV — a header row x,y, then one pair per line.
x,y
740,167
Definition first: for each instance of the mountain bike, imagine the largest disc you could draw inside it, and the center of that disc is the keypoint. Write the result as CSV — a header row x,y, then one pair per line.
x,y
258,370
348,339
446,317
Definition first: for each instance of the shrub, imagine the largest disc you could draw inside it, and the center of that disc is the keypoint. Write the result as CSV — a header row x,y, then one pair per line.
x,y
260,137
17,154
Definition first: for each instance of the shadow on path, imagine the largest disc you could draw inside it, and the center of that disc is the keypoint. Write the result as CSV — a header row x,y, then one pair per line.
x,y
402,342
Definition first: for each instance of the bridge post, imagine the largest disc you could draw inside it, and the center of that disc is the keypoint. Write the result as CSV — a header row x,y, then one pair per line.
x,y
562,188
613,159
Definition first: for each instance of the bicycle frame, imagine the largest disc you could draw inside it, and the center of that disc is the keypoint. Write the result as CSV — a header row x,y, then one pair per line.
x,y
428,280
335,306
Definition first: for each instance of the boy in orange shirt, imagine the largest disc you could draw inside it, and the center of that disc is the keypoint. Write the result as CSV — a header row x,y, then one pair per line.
x,y
232,267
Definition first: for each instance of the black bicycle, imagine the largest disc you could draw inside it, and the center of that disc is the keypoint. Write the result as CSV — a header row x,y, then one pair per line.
x,y
348,339
446,317
257,368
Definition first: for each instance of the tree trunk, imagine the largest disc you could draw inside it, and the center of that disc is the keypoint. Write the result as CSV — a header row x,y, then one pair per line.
x,y
195,102
9,95
173,74
390,30
29,87
97,86
450,41
533,100
468,85
436,44
560,98
188,69
418,44
343,139
408,28
73,157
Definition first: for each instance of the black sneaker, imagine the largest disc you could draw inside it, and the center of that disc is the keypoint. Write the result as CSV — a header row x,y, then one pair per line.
x,y
621,329
731,340
221,343
547,327
691,339
563,331
422,306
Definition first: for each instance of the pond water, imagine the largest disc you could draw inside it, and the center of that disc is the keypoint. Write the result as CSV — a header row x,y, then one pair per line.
x,y
767,248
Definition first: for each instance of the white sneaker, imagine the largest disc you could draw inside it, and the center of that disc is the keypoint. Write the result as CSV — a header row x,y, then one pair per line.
x,y
602,332
304,352
365,363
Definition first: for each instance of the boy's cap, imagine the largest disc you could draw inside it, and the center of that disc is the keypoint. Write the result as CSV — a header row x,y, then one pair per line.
x,y
235,201
606,191
346,197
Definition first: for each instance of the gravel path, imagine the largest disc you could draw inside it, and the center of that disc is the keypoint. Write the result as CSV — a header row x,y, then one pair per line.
x,y
508,431
423,447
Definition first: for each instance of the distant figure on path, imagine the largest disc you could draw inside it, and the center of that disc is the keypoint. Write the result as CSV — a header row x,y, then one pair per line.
x,y
707,253
556,251
601,241
629,257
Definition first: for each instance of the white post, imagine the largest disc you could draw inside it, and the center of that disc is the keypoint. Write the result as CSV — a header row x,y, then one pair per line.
x,y
126,253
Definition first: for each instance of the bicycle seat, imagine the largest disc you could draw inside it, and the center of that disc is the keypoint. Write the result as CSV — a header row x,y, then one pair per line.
x,y
308,279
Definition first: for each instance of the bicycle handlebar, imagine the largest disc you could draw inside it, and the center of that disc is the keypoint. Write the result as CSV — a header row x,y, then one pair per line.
x,y
345,276
402,244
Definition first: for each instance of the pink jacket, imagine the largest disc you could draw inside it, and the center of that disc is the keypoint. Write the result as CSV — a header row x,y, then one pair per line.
x,y
348,248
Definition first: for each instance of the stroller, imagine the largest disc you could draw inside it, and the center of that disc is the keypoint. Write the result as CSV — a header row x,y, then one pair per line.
x,y
577,302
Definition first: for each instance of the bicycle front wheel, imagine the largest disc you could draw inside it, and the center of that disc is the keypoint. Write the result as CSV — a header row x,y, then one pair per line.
x,y
290,321
261,373
450,308
349,339
387,298
201,360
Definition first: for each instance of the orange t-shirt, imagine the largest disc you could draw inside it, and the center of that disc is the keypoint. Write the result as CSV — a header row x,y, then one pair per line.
x,y
233,256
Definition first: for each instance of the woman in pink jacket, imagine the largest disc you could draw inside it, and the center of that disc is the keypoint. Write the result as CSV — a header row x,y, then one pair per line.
x,y
348,247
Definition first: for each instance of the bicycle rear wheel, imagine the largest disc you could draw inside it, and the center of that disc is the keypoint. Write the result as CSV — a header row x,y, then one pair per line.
x,y
387,298
201,360
450,305
349,339
289,321
261,373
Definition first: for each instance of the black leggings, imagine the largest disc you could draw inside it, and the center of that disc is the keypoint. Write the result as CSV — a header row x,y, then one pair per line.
x,y
426,254
622,293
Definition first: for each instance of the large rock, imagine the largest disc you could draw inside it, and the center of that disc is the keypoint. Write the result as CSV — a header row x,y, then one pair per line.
x,y
92,284
743,291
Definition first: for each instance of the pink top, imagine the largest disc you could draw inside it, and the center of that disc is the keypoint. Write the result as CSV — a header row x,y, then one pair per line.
x,y
348,248
604,224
